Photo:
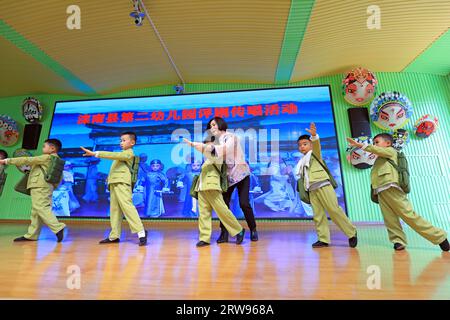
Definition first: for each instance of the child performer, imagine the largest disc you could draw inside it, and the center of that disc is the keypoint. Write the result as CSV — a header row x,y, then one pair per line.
x,y
119,183
394,203
40,191
322,195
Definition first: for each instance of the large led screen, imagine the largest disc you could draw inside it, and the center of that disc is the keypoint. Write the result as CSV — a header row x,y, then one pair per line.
x,y
268,123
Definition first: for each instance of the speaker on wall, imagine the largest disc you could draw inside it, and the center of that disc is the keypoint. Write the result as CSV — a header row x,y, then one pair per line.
x,y
359,122
31,135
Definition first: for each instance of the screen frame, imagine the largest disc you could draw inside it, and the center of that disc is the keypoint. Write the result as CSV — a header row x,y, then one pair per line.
x,y
213,92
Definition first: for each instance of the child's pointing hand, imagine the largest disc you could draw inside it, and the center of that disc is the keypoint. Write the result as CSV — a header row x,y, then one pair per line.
x,y
88,153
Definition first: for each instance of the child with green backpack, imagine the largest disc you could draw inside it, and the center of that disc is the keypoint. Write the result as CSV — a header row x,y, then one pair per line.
x,y
390,184
121,179
316,187
45,175
208,188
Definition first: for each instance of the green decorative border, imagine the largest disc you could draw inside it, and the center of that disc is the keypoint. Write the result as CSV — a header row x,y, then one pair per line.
x,y
296,25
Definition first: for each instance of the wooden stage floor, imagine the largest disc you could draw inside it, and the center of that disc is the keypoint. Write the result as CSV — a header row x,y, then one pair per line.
x,y
282,265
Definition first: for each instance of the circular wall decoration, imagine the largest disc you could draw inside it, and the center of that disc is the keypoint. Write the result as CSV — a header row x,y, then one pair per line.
x,y
32,110
22,153
9,131
401,139
391,110
359,86
426,126
359,158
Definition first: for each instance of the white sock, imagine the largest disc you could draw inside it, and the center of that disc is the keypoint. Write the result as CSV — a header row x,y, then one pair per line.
x,y
141,234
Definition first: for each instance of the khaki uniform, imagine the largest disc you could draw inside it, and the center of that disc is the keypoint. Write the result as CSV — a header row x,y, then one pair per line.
x,y
210,198
394,203
41,195
325,199
119,184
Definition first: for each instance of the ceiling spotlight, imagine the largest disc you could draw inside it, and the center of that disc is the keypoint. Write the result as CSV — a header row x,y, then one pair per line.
x,y
137,14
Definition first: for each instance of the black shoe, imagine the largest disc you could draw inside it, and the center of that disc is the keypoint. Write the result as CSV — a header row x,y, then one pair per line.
x,y
240,236
353,241
399,246
105,241
319,244
60,235
20,239
444,245
202,244
254,235
143,240
223,236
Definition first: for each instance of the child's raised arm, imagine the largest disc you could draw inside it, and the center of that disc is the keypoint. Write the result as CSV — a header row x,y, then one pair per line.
x,y
200,147
27,161
315,140
379,151
120,156
389,153
312,129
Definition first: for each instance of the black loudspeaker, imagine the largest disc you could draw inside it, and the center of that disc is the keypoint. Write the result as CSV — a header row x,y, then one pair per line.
x,y
359,122
31,135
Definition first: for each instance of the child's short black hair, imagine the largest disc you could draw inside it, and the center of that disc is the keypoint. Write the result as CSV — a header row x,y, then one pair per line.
x,y
55,143
385,136
304,137
221,124
3,154
132,135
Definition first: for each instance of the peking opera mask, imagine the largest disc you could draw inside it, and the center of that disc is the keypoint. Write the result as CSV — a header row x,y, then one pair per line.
x,y
359,158
391,110
9,131
426,125
401,139
359,86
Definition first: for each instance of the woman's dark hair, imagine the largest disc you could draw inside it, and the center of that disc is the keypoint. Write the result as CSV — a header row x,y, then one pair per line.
x,y
221,124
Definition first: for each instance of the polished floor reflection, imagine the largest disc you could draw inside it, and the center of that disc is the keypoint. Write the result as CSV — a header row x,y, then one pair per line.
x,y
282,265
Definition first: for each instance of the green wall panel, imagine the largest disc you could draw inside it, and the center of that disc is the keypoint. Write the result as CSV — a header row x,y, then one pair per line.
x,y
428,157
433,59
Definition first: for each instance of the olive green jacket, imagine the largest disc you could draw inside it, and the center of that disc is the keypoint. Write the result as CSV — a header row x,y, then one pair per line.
x,y
119,172
315,171
210,177
36,177
383,172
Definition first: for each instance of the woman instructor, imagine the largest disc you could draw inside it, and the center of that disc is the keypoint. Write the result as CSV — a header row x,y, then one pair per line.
x,y
227,146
